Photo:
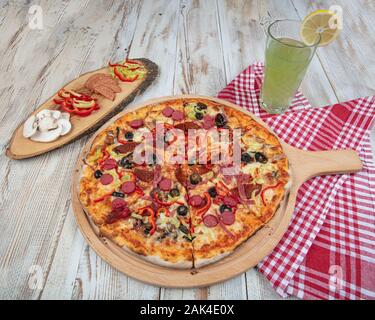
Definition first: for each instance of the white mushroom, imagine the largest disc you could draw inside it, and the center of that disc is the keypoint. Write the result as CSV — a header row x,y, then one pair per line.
x,y
47,136
47,123
56,114
65,124
43,114
29,127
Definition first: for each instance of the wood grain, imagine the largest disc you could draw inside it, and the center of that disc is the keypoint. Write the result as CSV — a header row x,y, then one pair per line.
x,y
36,224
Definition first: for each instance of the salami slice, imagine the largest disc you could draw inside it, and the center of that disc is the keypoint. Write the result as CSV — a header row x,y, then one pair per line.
x,y
128,187
208,122
228,217
106,179
90,83
105,91
168,111
126,148
144,175
117,215
230,201
135,124
185,126
196,201
165,184
177,115
210,221
109,164
118,204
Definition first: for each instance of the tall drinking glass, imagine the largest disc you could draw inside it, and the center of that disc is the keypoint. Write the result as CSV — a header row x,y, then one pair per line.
x,y
287,59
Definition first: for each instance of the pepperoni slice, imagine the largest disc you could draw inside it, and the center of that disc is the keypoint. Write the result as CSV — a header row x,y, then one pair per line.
x,y
168,111
106,179
165,184
230,201
208,122
228,217
126,148
185,126
128,187
144,175
135,124
118,204
196,201
177,115
109,164
116,215
210,220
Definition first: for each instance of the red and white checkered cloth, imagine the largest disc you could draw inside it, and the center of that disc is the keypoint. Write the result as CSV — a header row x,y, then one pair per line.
x,y
328,251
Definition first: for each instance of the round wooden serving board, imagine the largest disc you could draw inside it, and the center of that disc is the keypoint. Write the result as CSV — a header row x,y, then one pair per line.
x,y
21,147
304,165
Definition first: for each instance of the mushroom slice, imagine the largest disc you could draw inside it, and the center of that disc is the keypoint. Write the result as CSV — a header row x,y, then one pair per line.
x,y
46,124
65,124
65,115
29,127
56,114
48,136
43,114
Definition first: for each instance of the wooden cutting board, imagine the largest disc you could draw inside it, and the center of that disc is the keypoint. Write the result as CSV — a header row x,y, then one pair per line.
x,y
304,165
20,147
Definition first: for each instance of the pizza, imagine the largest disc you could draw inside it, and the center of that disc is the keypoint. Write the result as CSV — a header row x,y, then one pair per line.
x,y
182,183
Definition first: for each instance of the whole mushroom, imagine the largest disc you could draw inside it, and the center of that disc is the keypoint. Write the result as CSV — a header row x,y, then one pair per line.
x,y
47,125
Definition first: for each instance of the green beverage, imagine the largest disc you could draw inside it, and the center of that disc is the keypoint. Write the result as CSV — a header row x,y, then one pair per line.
x,y
286,63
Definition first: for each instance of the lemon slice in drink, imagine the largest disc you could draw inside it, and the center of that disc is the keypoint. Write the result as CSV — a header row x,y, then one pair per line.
x,y
321,23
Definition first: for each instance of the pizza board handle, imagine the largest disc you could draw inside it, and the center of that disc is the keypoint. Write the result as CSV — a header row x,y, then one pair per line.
x,y
310,164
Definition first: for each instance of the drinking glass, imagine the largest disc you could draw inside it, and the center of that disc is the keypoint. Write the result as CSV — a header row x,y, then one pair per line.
x,y
286,62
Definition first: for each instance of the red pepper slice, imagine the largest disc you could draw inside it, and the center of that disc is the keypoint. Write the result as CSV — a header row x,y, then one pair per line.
x,y
207,206
151,217
265,189
103,197
162,203
121,77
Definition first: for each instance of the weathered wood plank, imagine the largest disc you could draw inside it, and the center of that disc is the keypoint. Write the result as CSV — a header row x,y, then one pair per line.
x,y
95,279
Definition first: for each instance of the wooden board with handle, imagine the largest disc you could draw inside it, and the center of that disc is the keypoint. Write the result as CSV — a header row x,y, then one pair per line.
x,y
304,165
21,147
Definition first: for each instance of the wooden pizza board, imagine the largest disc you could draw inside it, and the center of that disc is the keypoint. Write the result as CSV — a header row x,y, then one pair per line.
x,y
304,165
21,147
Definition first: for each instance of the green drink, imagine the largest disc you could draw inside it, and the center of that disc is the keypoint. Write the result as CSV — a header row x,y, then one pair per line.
x,y
287,59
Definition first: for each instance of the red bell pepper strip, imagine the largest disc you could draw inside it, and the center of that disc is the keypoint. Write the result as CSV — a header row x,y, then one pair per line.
x,y
160,202
151,217
121,76
106,155
119,174
103,197
207,205
265,189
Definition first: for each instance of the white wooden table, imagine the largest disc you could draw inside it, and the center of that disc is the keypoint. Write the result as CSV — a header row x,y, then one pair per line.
x,y
200,46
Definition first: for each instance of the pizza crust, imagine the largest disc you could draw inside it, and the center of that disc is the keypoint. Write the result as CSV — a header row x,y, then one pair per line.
x,y
201,262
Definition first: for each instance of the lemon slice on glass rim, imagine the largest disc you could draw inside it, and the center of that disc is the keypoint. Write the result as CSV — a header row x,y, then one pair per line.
x,y
320,23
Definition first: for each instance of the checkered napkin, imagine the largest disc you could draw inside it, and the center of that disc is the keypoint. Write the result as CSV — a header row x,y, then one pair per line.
x,y
328,251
